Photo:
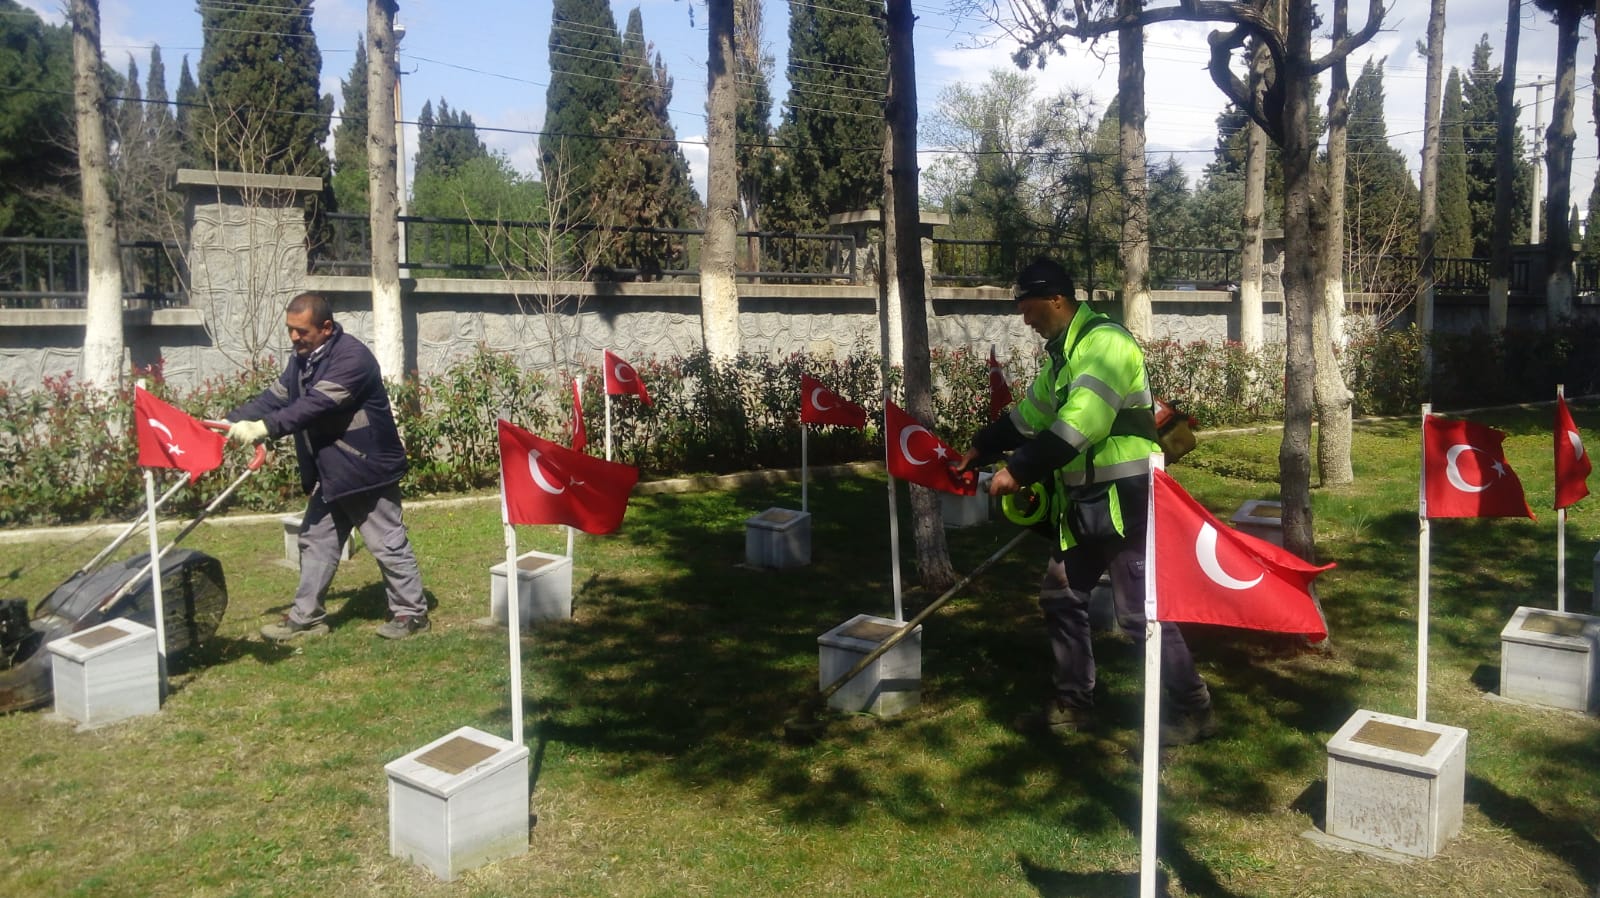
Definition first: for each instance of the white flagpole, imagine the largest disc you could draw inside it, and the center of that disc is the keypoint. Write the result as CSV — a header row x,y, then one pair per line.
x,y
894,515
1150,779
805,483
608,425
155,575
570,532
513,615
1422,573
1561,532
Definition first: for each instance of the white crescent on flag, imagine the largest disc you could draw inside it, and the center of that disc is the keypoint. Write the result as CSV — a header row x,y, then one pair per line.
x,y
1577,444
1452,470
905,448
1205,552
159,426
816,401
620,371
538,475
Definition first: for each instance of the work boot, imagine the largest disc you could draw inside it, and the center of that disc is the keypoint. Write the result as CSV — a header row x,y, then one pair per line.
x,y
286,629
1189,727
404,625
1054,719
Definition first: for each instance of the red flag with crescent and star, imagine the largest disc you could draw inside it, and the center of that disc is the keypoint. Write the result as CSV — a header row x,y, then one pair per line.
x,y
1465,473
547,483
915,454
621,379
820,405
580,436
1209,573
999,390
171,438
1572,462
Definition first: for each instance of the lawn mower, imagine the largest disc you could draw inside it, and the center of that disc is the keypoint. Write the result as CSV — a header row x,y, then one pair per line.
x,y
194,597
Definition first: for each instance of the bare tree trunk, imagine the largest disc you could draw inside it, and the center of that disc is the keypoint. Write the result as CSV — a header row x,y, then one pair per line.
x,y
102,335
900,189
1251,327
719,292
1559,140
1429,225
1504,170
388,324
1136,313
1327,325
1299,282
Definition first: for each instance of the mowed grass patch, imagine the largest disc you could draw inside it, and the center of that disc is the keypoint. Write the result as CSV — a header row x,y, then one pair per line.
x,y
655,716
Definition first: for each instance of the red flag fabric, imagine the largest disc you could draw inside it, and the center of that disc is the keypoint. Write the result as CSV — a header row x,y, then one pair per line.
x,y
820,405
622,380
170,438
999,390
547,483
1209,573
1465,474
915,454
580,436
1572,462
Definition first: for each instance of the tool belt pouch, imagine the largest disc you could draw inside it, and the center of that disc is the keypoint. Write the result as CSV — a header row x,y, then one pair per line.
x,y
1091,514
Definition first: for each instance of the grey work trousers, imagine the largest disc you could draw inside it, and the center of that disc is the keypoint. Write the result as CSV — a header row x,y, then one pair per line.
x,y
327,525
1064,593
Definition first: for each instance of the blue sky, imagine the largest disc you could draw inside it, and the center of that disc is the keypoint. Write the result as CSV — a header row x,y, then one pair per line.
x,y
491,59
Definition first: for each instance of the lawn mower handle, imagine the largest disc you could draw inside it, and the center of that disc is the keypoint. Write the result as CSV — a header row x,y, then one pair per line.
x,y
261,448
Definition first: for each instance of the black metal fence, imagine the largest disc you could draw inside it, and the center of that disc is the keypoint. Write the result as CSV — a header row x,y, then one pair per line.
x,y
44,273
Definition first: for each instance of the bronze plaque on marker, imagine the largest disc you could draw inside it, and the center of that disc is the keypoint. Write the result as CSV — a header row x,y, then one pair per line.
x,y
456,755
871,631
1397,738
1553,624
778,516
533,562
99,637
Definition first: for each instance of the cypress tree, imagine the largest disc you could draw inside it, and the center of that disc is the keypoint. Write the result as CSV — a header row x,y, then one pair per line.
x,y
446,141
38,168
1455,215
585,68
1478,129
753,121
1590,253
260,109
158,114
350,136
184,101
129,115
1381,201
832,133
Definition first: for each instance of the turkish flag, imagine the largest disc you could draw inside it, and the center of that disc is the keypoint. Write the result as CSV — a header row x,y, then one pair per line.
x,y
915,454
1209,573
1572,462
547,483
170,438
580,436
1465,474
622,380
999,390
820,405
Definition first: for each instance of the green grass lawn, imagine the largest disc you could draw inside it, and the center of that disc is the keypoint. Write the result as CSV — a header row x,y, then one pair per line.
x,y
655,716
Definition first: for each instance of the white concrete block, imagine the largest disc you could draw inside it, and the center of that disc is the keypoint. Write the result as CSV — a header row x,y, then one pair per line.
x,y
459,802
778,538
1549,658
1261,518
291,541
544,588
1396,783
106,673
890,685
967,511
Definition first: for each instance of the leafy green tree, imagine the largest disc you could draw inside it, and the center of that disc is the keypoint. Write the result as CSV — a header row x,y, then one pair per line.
x,y
832,134
643,180
1590,253
1455,213
1479,127
38,169
446,140
585,68
1381,200
486,188
350,136
260,109
753,120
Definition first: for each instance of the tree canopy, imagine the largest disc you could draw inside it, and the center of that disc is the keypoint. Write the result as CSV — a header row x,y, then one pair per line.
x,y
38,169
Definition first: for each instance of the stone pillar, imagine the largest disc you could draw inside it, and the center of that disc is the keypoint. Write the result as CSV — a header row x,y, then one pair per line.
x,y
246,256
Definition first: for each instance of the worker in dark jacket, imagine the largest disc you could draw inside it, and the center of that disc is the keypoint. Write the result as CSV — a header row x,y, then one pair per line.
x,y
331,399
